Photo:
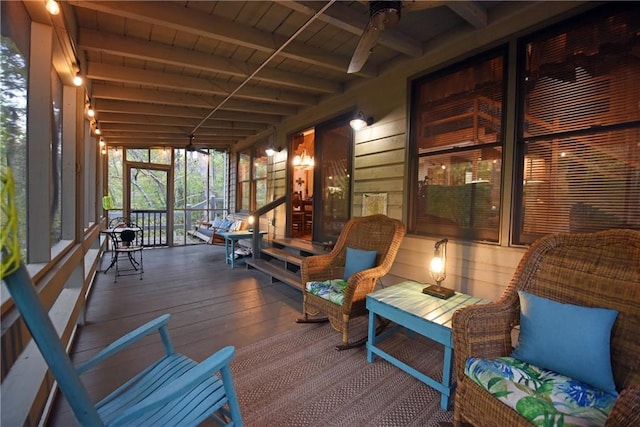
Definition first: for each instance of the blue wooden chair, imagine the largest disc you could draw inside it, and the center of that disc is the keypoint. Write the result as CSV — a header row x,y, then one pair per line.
x,y
174,391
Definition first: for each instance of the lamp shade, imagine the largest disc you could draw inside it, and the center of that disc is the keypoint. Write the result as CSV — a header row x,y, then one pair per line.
x,y
438,265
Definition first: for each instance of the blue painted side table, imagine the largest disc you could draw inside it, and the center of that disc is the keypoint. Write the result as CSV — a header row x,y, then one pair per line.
x,y
406,306
230,240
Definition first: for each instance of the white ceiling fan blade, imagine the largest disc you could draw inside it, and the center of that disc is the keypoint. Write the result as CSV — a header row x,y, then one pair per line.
x,y
367,42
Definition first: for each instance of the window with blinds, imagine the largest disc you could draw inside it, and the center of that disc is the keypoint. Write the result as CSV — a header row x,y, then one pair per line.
x,y
456,131
579,129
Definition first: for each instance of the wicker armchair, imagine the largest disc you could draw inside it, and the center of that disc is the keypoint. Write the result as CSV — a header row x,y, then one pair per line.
x,y
595,270
375,232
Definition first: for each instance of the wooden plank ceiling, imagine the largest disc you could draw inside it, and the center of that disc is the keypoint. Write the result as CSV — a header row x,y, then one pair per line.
x,y
226,71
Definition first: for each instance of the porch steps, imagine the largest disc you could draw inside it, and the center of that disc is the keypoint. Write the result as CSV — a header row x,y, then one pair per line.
x,y
277,274
281,261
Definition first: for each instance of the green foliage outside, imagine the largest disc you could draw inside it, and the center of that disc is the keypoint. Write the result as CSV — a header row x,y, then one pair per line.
x,y
13,132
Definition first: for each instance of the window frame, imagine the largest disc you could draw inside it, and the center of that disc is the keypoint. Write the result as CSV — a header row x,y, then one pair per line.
x,y
414,158
519,235
255,152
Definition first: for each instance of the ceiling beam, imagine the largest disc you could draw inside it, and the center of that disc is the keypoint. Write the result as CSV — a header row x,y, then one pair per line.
x,y
173,130
105,106
168,137
181,120
471,12
101,92
203,85
196,22
164,54
171,143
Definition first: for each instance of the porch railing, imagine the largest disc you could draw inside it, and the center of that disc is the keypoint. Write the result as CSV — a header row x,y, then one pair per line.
x,y
153,224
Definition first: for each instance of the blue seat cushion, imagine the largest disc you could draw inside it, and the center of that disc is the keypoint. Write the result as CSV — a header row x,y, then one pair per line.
x,y
332,290
543,397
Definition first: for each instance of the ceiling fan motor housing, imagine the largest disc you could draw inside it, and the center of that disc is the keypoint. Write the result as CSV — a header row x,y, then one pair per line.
x,y
385,14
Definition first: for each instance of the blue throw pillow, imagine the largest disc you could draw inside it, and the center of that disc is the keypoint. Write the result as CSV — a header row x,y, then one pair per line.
x,y
358,260
226,223
568,339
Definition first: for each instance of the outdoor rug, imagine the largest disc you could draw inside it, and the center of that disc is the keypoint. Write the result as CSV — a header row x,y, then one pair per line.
x,y
297,378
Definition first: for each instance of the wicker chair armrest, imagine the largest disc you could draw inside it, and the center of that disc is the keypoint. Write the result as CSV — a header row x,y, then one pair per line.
x,y
482,331
364,276
625,411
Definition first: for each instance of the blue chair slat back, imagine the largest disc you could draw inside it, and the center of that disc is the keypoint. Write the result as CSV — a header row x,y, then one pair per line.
x,y
175,390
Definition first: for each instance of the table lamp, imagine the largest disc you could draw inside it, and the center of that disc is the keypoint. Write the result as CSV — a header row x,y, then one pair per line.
x,y
438,271
250,222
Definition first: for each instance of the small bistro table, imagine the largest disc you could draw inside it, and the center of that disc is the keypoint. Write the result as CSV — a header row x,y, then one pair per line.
x,y
406,306
230,240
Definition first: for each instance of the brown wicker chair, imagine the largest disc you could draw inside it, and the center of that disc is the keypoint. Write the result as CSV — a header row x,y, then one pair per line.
x,y
374,232
595,270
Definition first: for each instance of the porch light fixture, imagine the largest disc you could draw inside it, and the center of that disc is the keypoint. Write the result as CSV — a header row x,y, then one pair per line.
x,y
438,271
360,121
271,150
77,79
52,7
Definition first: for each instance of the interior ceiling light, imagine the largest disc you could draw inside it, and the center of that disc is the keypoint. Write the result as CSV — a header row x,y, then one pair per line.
x,y
304,160
77,79
97,131
360,121
102,143
91,112
53,7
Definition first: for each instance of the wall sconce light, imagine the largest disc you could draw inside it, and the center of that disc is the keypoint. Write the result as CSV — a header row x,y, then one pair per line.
x,y
360,121
438,271
77,79
103,151
271,150
97,131
52,7
102,143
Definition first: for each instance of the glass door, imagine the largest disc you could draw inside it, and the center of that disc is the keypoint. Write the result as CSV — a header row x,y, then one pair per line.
x,y
332,181
147,202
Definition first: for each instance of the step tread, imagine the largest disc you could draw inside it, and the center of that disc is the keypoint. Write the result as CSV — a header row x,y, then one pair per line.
x,y
300,245
284,255
285,276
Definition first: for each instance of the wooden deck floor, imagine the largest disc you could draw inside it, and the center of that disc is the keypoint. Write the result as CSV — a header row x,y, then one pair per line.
x,y
211,306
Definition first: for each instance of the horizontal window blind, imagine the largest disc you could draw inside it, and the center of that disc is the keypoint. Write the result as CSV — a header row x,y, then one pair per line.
x,y
457,131
580,127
